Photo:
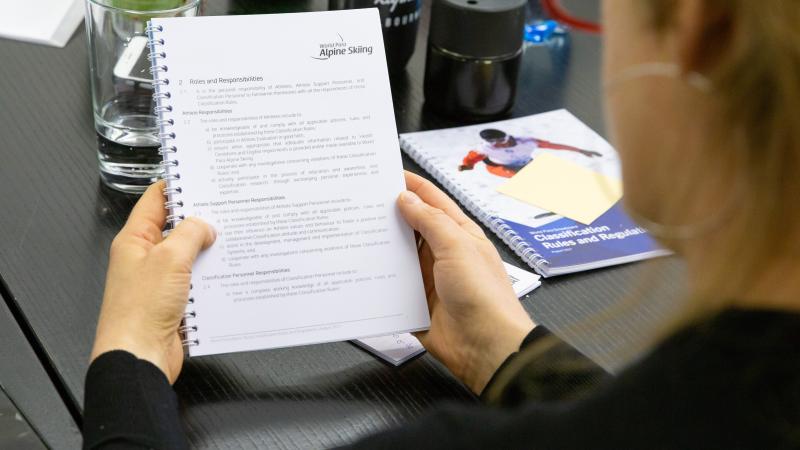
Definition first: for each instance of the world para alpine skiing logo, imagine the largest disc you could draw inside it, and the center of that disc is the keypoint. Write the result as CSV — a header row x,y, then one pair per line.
x,y
328,50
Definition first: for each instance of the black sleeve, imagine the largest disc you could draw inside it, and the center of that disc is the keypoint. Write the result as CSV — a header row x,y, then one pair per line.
x,y
548,370
129,404
535,406
690,392
537,334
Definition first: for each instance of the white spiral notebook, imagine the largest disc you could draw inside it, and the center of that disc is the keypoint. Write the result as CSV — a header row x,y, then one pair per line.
x,y
472,162
279,131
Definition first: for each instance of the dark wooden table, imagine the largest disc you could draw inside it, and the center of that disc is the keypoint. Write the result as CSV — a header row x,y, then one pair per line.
x,y
15,432
57,222
29,391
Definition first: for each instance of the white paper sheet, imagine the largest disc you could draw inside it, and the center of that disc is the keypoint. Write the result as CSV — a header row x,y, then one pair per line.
x,y
50,22
286,144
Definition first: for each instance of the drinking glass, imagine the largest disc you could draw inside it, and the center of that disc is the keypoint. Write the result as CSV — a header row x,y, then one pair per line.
x,y
122,87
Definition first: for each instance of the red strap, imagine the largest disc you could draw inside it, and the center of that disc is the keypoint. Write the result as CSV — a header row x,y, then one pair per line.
x,y
555,10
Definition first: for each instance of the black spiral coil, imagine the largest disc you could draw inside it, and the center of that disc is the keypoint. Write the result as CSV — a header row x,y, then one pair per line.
x,y
168,151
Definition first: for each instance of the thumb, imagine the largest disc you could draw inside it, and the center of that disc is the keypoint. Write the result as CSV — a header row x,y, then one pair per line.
x,y
190,237
437,228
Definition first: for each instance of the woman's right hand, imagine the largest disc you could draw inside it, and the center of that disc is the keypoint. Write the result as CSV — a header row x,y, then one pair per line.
x,y
476,319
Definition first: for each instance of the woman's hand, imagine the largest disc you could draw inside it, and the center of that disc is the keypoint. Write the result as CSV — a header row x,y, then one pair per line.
x,y
147,285
476,319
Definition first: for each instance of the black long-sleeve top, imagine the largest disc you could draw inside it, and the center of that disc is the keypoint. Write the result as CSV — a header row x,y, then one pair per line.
x,y
728,382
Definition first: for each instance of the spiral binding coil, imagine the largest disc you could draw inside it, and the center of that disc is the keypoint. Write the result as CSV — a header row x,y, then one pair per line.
x,y
496,224
168,151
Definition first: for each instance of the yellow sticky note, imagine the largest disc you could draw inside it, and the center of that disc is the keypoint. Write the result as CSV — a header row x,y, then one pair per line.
x,y
565,188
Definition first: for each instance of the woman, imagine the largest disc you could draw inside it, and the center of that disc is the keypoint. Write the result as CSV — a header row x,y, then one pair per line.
x,y
703,100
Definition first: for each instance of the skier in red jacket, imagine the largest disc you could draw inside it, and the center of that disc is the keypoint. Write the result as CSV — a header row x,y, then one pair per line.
x,y
505,155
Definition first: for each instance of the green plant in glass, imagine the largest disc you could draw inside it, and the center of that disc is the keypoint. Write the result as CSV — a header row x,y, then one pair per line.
x,y
133,23
268,7
146,5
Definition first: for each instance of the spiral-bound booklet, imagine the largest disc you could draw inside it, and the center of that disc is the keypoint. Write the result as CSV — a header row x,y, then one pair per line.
x,y
279,131
473,162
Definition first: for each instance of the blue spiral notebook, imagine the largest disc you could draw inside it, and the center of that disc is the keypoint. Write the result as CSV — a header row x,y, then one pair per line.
x,y
472,162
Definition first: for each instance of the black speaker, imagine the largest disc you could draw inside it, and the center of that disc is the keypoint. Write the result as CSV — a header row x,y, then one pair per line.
x,y
474,54
400,22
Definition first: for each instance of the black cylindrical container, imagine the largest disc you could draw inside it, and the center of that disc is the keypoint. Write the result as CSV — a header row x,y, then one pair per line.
x,y
474,55
400,20
236,7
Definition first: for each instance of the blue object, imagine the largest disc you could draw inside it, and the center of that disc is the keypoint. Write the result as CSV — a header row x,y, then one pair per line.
x,y
543,32
565,246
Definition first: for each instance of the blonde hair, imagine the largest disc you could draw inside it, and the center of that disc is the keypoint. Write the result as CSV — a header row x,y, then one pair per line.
x,y
751,55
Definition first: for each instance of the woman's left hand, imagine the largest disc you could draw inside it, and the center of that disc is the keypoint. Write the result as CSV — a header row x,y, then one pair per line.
x,y
147,285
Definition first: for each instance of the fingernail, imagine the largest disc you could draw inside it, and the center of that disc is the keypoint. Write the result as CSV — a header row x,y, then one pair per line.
x,y
409,197
213,232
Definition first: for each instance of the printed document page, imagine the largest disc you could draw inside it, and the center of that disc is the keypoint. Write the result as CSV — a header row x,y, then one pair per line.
x,y
50,22
286,143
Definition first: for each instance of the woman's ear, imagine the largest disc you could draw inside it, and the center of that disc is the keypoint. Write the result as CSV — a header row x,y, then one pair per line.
x,y
702,33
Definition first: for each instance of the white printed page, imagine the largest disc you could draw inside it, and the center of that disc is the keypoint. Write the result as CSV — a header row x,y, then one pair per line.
x,y
286,144
522,281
